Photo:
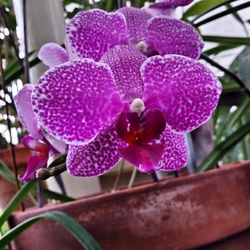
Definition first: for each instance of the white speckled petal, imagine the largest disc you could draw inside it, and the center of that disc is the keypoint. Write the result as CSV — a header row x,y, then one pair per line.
x,y
136,20
174,156
97,157
75,100
91,33
184,89
125,62
52,54
25,111
171,36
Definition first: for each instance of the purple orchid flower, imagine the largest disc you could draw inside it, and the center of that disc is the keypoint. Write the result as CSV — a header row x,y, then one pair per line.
x,y
126,105
166,7
42,145
92,33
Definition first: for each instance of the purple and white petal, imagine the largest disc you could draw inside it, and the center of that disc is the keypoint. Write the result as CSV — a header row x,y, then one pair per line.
x,y
174,156
125,62
34,163
52,54
73,101
91,33
25,111
145,157
160,8
136,20
183,88
171,36
97,157
36,145
176,3
58,145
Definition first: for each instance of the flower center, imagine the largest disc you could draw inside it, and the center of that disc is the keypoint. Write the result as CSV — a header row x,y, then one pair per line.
x,y
137,106
140,128
141,46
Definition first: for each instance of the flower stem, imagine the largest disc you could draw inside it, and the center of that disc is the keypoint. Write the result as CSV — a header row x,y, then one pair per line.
x,y
132,178
45,173
119,175
154,176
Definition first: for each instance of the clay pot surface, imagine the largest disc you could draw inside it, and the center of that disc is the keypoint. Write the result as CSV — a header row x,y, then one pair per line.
x,y
182,213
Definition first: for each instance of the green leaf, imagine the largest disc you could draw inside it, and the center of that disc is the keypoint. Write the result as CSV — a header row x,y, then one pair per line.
x,y
220,48
73,227
6,173
15,201
57,196
223,13
222,148
227,40
15,70
201,7
241,66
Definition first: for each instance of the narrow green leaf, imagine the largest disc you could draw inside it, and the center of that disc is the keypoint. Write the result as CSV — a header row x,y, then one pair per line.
x,y
6,173
15,201
222,14
220,48
57,196
227,40
201,7
222,148
15,70
72,226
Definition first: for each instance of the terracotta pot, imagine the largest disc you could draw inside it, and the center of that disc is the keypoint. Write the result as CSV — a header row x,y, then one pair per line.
x,y
182,213
8,190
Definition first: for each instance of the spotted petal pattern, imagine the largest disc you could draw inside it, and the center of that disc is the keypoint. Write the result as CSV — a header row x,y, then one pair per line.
x,y
136,20
91,33
75,100
52,54
183,88
25,111
174,156
172,36
97,157
125,62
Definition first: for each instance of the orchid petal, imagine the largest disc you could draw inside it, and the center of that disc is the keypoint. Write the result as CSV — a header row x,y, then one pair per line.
x,y
185,90
58,145
73,101
157,9
125,62
52,54
91,33
176,3
145,157
34,163
25,111
171,36
97,157
175,152
34,144
136,20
